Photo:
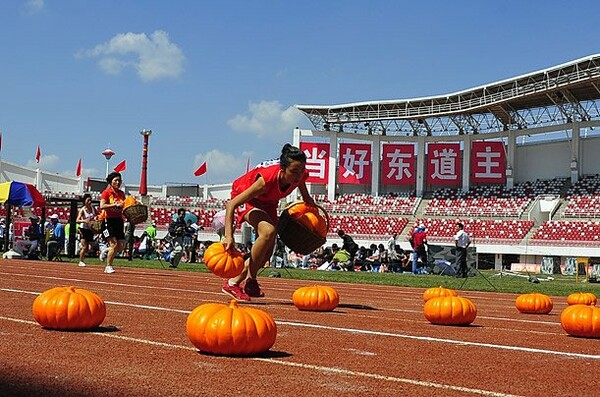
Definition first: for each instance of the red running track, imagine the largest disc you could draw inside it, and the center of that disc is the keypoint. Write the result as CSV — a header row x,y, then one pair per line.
x,y
376,343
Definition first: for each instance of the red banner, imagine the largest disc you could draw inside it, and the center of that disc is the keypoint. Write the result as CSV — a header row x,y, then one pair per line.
x,y
121,167
398,164
444,163
200,170
355,163
317,161
488,162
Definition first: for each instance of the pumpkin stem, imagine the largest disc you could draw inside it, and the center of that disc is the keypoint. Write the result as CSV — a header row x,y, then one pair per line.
x,y
71,289
233,304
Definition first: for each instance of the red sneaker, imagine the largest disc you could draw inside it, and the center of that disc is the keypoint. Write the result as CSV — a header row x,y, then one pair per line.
x,y
235,292
253,289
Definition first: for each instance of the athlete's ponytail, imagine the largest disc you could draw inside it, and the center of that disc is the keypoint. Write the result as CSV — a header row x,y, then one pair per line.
x,y
290,153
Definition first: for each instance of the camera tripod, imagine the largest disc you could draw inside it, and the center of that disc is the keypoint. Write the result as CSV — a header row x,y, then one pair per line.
x,y
476,271
474,268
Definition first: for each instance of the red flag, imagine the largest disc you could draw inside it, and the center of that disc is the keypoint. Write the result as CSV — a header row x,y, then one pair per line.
x,y
121,166
78,170
38,155
201,170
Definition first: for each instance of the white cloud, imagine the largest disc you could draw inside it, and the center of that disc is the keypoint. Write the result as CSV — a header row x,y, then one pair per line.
x,y
267,119
85,172
34,6
221,167
153,57
47,162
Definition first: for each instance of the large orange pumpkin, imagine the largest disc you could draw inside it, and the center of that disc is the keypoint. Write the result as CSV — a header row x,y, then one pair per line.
x,y
435,292
309,217
300,208
581,320
535,303
223,263
129,201
317,298
230,330
69,308
450,310
313,222
582,298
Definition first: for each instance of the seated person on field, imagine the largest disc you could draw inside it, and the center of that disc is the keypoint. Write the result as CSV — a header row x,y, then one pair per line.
x,y
28,247
342,259
56,238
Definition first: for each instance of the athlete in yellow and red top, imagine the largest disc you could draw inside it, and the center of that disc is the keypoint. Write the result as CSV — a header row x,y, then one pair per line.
x,y
254,198
111,205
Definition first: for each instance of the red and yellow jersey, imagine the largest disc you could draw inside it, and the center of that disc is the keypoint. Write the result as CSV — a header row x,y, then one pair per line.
x,y
111,196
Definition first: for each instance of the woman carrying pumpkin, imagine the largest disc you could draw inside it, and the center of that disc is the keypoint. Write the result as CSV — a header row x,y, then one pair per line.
x,y
111,205
254,198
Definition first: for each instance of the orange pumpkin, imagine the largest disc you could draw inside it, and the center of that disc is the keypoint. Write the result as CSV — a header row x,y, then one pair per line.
x,y
535,303
316,298
69,308
313,222
581,320
309,217
582,298
223,263
129,201
230,330
450,310
300,208
435,292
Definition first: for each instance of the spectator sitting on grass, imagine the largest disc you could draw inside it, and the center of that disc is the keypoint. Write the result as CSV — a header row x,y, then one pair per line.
x,y
342,259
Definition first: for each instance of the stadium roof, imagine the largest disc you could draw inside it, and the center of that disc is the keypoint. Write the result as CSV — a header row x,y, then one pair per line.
x,y
558,95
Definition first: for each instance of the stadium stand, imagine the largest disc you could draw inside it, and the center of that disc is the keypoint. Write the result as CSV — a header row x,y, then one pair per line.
x,y
393,204
564,231
583,198
491,200
493,231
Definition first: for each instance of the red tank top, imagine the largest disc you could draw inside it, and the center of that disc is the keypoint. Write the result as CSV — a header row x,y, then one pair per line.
x,y
269,170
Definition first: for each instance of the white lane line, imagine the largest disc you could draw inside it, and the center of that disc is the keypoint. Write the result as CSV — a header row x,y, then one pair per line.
x,y
431,339
342,371
370,332
318,368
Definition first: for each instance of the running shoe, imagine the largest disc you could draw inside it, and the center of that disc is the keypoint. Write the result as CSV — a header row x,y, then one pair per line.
x,y
253,289
109,269
235,292
81,264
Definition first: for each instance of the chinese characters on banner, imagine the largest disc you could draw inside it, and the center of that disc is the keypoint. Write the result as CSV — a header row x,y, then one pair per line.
x,y
317,161
488,162
355,163
398,164
444,163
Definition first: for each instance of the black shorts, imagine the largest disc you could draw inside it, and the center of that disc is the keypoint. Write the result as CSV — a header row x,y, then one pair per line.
x,y
86,234
114,227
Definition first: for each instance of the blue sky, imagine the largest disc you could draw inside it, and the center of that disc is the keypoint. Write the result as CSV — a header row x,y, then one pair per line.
x,y
217,81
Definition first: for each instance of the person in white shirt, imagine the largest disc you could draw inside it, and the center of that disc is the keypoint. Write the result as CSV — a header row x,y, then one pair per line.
x,y
462,242
391,243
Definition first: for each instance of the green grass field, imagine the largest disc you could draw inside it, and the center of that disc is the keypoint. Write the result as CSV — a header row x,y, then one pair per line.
x,y
486,280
